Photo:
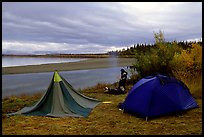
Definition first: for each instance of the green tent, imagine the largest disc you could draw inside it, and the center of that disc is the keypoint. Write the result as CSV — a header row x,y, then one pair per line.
x,y
61,100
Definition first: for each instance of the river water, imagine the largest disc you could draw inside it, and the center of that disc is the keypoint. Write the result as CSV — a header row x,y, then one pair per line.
x,y
31,83
9,61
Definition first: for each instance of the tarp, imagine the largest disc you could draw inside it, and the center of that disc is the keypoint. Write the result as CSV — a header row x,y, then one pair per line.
x,y
60,100
158,95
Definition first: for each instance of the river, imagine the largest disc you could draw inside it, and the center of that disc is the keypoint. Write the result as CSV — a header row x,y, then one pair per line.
x,y
31,83
9,61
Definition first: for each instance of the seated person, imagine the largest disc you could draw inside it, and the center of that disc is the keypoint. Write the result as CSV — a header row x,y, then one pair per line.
x,y
121,87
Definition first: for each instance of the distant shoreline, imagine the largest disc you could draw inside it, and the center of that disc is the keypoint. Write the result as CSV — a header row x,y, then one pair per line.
x,y
92,63
99,55
102,55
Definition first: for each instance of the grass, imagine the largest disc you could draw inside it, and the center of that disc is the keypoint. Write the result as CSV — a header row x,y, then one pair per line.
x,y
105,119
195,85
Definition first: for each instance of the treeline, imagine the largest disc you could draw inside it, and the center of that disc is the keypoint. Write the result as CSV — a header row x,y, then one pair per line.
x,y
130,52
102,55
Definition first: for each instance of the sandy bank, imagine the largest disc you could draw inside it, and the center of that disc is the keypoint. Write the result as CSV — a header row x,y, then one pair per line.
x,y
85,64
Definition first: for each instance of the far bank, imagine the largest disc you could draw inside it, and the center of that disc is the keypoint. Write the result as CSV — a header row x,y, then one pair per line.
x,y
92,63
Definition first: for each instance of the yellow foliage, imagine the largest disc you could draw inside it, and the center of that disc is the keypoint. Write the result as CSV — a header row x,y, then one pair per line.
x,y
188,63
187,67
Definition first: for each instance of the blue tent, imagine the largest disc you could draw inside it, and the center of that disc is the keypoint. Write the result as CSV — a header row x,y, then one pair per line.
x,y
158,95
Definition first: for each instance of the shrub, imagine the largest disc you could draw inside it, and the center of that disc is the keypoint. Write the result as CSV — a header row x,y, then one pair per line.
x,y
187,67
156,59
189,63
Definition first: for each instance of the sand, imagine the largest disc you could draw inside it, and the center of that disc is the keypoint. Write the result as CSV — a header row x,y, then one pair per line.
x,y
93,63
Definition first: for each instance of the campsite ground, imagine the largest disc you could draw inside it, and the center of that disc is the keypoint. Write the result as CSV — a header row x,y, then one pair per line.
x,y
105,119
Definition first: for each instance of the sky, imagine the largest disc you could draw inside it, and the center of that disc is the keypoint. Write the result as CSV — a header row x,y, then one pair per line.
x,y
94,27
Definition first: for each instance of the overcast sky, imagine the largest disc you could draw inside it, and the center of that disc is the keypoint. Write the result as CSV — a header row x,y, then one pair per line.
x,y
95,27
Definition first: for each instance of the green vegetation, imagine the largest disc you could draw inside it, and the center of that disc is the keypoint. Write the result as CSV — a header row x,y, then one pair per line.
x,y
145,48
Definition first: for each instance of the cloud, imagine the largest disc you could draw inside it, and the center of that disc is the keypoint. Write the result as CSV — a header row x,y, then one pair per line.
x,y
48,48
96,26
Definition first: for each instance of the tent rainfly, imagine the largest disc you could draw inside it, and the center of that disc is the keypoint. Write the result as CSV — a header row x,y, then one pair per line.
x,y
60,100
158,95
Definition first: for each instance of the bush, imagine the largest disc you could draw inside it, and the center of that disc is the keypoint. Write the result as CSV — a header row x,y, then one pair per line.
x,y
187,67
188,64
156,59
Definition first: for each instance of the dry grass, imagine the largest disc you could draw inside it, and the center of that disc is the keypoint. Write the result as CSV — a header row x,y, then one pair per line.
x,y
105,119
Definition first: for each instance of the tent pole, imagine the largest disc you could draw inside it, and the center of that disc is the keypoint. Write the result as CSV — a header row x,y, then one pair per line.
x,y
123,111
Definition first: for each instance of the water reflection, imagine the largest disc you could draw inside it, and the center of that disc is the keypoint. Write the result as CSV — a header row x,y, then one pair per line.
x,y
17,84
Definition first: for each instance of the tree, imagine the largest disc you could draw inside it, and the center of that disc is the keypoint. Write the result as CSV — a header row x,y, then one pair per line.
x,y
156,59
159,37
